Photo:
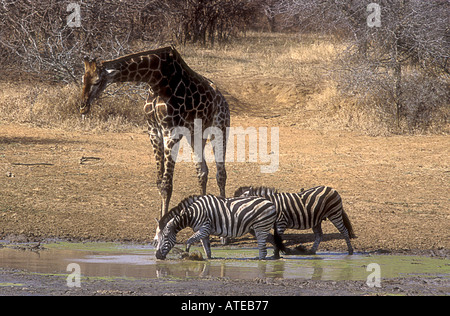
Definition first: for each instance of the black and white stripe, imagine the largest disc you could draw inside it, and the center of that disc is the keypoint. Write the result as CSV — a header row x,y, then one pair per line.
x,y
212,215
305,210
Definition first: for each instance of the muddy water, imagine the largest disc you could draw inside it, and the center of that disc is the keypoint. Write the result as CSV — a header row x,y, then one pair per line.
x,y
109,260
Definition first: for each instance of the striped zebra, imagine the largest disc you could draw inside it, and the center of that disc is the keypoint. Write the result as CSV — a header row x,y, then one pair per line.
x,y
305,210
212,215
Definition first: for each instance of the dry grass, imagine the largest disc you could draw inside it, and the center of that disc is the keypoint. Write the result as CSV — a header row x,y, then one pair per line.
x,y
283,77
50,105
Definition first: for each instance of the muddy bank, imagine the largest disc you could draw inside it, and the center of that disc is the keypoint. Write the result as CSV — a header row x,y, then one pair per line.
x,y
131,269
15,282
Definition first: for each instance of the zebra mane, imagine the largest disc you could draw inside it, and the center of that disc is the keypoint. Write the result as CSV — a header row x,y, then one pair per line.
x,y
176,211
255,191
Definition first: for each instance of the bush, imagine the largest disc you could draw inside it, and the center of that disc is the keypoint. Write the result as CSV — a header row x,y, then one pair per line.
x,y
400,67
37,37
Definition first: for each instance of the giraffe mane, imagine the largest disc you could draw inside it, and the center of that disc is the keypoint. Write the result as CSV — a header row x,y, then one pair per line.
x,y
172,49
185,66
138,54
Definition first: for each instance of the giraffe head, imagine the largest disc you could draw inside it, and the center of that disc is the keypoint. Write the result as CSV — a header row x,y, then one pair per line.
x,y
96,78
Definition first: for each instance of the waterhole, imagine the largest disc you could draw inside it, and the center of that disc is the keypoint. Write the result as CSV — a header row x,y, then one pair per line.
x,y
111,260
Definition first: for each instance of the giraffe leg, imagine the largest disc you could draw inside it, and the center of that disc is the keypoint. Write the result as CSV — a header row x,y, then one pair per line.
x,y
202,168
219,154
158,151
221,177
169,166
220,149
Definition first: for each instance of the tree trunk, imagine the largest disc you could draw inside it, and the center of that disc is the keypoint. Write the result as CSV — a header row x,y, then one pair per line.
x,y
398,90
271,20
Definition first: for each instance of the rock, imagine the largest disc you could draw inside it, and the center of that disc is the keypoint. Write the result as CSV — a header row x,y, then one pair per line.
x,y
194,256
9,174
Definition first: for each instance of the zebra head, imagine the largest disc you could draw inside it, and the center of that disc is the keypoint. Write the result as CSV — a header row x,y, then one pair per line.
x,y
175,211
166,239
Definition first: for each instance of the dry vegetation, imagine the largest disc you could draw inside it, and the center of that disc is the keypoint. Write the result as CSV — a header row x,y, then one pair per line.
x,y
286,77
325,68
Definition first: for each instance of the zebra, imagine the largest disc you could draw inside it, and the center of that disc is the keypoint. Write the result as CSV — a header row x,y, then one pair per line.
x,y
224,217
306,209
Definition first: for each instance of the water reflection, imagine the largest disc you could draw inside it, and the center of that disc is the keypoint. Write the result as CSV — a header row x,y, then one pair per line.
x,y
141,263
144,265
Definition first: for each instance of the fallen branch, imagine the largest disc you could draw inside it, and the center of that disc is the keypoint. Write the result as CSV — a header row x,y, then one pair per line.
x,y
86,159
32,164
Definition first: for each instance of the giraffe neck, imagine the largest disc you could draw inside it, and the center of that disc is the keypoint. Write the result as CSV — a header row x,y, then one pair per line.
x,y
162,69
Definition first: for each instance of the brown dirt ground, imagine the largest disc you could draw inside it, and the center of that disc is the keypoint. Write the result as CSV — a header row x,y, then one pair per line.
x,y
395,189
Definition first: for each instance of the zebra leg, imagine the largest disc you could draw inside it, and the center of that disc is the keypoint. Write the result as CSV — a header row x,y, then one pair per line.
x,y
338,222
202,233
349,244
261,237
318,234
270,239
206,246
276,251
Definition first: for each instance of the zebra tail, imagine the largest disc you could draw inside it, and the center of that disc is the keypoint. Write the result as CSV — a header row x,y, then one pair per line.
x,y
278,240
348,225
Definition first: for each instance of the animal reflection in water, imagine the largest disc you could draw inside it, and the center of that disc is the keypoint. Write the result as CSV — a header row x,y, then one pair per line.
x,y
308,268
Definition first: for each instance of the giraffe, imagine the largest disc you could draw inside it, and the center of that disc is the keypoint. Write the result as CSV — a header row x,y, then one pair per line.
x,y
177,97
